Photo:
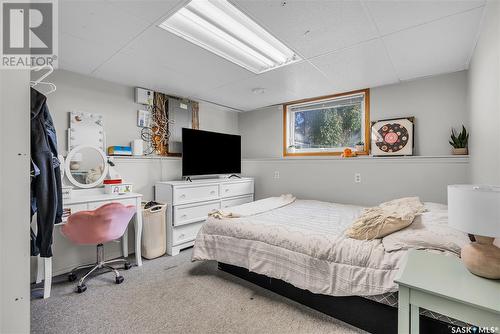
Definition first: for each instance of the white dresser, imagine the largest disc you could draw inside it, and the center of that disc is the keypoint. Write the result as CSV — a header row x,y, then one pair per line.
x,y
190,202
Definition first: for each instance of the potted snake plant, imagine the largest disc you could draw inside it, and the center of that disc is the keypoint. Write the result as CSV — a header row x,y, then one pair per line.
x,y
359,147
459,142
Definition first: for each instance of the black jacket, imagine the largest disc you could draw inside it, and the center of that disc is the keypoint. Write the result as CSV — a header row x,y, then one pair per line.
x,y
46,194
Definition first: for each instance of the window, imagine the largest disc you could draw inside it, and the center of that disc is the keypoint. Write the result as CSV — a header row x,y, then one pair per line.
x,y
327,125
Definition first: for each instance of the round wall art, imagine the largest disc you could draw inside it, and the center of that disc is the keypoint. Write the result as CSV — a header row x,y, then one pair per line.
x,y
392,136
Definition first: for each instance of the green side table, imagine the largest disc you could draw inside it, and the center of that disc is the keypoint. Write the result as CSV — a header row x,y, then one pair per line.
x,y
443,285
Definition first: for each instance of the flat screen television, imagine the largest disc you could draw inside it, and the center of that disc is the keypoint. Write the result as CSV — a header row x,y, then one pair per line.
x,y
210,153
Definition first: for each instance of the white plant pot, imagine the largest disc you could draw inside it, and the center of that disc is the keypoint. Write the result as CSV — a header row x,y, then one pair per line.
x,y
359,148
460,151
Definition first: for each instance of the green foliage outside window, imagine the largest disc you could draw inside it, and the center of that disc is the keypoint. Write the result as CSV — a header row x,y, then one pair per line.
x,y
325,128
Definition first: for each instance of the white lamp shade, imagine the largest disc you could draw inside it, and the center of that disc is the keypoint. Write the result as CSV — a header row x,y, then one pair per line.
x,y
475,209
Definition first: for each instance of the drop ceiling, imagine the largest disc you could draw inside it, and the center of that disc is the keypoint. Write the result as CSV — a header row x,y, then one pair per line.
x,y
346,45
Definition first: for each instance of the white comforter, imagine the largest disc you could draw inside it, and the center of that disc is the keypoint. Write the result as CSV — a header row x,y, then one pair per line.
x,y
303,243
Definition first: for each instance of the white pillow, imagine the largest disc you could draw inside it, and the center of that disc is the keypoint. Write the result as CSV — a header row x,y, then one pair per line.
x,y
430,230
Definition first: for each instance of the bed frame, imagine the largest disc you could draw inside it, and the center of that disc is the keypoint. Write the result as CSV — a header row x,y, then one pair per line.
x,y
353,310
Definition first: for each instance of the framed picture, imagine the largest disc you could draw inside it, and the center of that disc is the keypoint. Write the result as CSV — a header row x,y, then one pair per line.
x,y
393,137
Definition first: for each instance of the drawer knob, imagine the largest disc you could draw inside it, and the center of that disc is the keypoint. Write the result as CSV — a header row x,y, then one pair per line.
x,y
182,196
183,216
227,190
181,236
212,192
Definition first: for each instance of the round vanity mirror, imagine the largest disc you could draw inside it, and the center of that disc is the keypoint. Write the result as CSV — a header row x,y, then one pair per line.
x,y
86,166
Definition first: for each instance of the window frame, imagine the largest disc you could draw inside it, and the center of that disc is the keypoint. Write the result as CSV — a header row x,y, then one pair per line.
x,y
367,124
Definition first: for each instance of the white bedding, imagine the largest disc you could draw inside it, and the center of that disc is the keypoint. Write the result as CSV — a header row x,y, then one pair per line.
x,y
303,243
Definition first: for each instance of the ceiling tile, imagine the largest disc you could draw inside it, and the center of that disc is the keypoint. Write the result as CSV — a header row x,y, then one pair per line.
x,y
312,27
161,47
79,55
284,84
149,10
98,22
392,16
438,47
362,66
124,68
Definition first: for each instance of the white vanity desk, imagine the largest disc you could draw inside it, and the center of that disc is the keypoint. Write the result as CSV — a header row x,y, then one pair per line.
x,y
91,199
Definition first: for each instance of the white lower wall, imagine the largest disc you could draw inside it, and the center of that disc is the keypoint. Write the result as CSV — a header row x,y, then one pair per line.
x,y
332,180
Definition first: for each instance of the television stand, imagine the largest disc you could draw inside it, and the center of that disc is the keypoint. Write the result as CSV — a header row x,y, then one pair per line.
x,y
199,198
234,175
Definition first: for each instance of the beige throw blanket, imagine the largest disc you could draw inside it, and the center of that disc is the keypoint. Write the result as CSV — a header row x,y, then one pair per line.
x,y
253,208
388,217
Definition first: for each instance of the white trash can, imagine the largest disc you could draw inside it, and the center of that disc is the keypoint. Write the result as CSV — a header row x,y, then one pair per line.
x,y
154,233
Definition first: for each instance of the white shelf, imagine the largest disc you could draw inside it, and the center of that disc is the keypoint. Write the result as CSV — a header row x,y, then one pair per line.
x,y
412,159
142,157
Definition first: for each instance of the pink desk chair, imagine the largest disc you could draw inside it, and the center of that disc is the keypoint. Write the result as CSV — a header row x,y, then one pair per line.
x,y
106,223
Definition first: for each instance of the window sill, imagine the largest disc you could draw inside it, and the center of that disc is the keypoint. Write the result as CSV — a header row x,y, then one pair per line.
x,y
368,158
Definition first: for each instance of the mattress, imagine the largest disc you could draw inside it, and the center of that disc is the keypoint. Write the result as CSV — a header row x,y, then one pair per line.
x,y
303,244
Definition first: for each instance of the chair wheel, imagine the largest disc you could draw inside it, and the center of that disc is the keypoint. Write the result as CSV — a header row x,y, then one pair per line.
x,y
71,277
127,266
81,288
119,279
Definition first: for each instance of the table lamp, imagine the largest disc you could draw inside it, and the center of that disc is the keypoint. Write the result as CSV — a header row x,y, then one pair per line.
x,y
476,210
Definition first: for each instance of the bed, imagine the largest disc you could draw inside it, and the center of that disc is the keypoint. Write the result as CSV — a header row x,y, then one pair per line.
x,y
299,250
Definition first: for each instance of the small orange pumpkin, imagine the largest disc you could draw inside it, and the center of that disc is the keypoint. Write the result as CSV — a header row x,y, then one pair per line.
x,y
348,153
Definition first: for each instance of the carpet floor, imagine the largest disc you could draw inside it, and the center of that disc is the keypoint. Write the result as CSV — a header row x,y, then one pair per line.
x,y
174,295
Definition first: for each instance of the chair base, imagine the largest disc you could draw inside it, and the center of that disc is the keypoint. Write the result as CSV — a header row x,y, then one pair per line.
x,y
99,264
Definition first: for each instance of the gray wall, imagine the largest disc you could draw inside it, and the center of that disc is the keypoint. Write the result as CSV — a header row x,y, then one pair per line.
x,y
14,201
438,104
484,90
332,180
116,102
76,92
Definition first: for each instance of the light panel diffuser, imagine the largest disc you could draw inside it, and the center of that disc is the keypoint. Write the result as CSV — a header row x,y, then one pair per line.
x,y
221,28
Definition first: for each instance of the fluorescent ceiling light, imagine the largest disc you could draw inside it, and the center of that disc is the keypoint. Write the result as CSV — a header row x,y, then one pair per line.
x,y
221,28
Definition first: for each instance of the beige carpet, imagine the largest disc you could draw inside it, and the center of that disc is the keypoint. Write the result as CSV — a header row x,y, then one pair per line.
x,y
173,295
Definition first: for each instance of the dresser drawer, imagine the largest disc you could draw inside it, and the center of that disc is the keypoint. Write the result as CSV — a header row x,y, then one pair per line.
x,y
126,202
195,193
236,189
68,210
185,233
191,213
227,203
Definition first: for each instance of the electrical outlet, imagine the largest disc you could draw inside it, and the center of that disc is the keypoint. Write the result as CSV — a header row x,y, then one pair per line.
x,y
276,174
357,177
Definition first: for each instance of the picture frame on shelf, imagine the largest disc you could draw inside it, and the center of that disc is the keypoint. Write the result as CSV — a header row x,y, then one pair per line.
x,y
393,136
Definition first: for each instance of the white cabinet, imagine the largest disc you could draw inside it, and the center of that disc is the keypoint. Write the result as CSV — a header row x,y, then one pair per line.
x,y
190,202
229,202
